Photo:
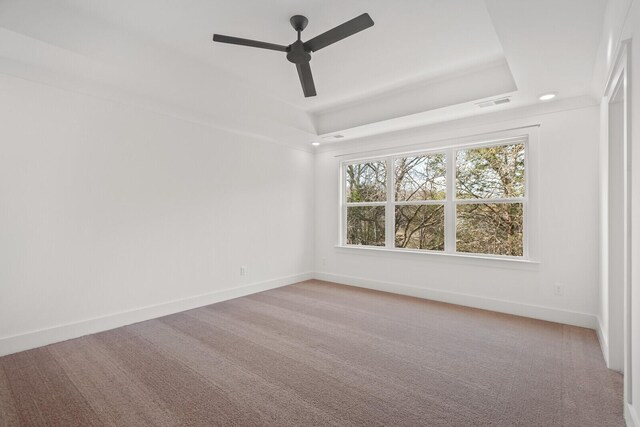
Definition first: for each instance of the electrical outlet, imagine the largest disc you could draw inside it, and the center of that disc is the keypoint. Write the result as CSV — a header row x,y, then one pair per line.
x,y
243,271
558,289
324,262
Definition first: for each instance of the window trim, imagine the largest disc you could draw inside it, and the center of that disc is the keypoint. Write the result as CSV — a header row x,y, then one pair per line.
x,y
526,135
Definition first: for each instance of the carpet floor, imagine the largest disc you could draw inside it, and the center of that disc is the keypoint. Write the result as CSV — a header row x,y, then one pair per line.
x,y
317,353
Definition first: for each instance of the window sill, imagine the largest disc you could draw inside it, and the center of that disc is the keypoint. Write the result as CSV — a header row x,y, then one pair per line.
x,y
458,258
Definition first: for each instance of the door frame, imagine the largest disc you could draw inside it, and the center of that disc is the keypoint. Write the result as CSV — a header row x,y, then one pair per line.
x,y
619,81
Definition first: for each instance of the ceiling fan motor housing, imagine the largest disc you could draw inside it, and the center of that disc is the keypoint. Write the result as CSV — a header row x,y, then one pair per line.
x,y
297,54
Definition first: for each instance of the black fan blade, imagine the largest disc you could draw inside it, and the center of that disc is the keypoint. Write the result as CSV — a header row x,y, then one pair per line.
x,y
246,42
306,79
340,32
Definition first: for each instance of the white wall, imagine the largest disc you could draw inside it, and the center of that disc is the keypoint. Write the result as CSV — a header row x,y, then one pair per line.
x,y
568,235
106,208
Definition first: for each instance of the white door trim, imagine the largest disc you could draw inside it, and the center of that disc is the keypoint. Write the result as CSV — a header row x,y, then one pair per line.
x,y
619,81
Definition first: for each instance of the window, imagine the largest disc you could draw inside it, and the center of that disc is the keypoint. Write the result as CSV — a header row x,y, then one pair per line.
x,y
490,184
366,194
419,191
468,199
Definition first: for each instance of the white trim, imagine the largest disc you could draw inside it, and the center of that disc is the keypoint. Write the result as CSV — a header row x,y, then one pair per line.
x,y
356,204
631,416
389,210
618,80
342,223
420,202
490,201
439,131
450,221
602,339
439,146
29,340
461,255
550,314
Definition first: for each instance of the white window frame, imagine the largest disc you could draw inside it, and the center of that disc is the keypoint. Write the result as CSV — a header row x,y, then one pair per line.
x,y
527,136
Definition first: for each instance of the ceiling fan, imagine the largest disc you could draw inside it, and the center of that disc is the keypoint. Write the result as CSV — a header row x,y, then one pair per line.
x,y
299,52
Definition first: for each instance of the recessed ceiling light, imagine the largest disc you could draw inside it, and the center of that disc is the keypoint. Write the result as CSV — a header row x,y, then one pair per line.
x,y
315,144
547,96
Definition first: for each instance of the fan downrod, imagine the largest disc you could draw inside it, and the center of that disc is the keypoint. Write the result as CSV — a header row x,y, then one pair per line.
x,y
296,52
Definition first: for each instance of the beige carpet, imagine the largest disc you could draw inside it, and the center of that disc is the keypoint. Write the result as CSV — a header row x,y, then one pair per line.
x,y
316,353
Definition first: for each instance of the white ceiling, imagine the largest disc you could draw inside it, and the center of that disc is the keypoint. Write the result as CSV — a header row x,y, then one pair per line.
x,y
159,53
411,39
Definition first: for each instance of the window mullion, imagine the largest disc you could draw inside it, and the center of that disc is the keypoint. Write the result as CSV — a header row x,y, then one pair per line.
x,y
343,205
389,212
450,209
350,204
490,201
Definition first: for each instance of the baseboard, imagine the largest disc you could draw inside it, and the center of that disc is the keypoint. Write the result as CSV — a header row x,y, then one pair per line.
x,y
584,320
39,338
631,416
602,339
29,340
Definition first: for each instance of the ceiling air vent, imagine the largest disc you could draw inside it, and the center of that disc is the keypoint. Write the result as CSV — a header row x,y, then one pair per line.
x,y
336,136
493,102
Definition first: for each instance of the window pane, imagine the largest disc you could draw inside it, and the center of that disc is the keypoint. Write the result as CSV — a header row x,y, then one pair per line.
x,y
366,182
420,227
365,225
490,228
490,172
421,178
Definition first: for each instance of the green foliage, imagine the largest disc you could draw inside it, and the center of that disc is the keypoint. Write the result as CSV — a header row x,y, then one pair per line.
x,y
365,225
420,227
366,182
490,172
421,178
487,173
494,229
